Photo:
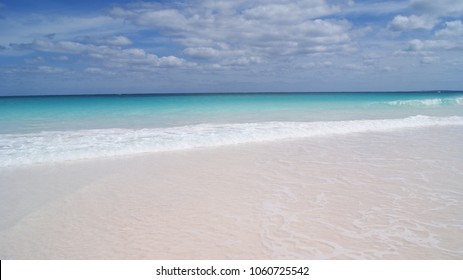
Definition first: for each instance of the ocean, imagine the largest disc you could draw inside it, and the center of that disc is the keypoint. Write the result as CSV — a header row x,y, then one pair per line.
x,y
38,130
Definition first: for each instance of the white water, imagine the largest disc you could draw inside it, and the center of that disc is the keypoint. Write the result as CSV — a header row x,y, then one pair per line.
x,y
58,146
430,102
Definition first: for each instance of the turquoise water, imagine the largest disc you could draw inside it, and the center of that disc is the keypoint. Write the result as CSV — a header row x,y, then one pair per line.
x,y
50,129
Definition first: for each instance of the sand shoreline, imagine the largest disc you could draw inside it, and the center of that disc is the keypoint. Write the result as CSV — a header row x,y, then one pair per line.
x,y
368,196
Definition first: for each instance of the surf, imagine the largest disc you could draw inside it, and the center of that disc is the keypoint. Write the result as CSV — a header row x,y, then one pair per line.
x,y
59,146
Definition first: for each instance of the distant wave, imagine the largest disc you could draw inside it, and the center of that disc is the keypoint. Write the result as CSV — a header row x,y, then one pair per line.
x,y
57,146
431,102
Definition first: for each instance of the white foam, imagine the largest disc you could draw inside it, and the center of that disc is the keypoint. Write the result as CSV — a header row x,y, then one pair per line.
x,y
57,146
431,102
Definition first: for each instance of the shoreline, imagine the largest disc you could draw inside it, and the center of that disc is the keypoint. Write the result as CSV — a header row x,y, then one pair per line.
x,y
393,195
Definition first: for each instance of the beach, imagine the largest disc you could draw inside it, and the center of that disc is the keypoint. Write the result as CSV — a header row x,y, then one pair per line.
x,y
368,195
151,138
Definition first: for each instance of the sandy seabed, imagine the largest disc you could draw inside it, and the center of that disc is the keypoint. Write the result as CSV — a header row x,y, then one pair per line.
x,y
394,195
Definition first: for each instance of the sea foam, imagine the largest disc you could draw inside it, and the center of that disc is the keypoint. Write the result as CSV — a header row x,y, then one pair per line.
x,y
430,102
58,146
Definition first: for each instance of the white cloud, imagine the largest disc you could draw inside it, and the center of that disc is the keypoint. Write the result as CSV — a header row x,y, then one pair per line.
x,y
169,19
226,42
404,23
97,71
438,7
35,60
418,45
453,28
61,58
119,41
50,70
243,61
355,67
37,70
136,59
285,12
426,14
375,7
248,29
30,27
58,47
116,40
429,59
109,56
202,52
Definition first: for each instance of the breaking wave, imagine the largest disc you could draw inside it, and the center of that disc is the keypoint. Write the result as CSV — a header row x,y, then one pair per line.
x,y
58,146
430,102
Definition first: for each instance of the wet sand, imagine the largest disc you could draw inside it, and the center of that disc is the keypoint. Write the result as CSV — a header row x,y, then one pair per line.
x,y
395,195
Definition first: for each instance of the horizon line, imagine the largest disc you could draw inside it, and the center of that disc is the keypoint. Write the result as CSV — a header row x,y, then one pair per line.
x,y
229,93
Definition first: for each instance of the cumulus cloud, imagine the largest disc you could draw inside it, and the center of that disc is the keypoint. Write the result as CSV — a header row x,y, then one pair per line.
x,y
37,70
240,38
248,29
404,23
243,61
112,40
59,47
418,45
374,7
118,41
202,52
28,27
426,14
453,28
35,60
97,71
61,58
285,12
136,59
50,70
109,56
355,67
207,34
438,7
429,59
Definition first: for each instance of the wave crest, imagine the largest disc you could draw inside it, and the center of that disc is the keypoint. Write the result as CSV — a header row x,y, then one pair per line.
x,y
431,102
57,146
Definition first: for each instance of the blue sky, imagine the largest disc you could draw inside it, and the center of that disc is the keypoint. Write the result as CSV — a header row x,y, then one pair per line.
x,y
91,47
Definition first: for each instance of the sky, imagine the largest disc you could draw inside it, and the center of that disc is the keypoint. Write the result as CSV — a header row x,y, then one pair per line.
x,y
112,46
